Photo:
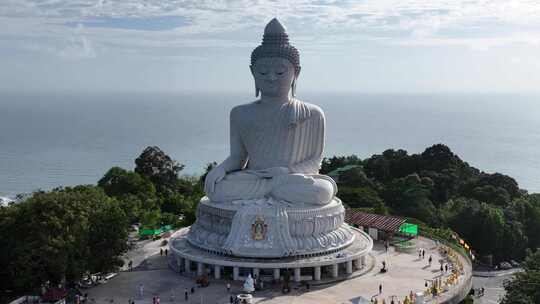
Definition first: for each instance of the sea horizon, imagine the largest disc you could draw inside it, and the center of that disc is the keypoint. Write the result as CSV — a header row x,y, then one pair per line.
x,y
64,139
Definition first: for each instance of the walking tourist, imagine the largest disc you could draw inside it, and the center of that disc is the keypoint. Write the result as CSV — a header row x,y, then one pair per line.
x,y
166,251
161,251
185,294
380,288
228,287
141,290
430,260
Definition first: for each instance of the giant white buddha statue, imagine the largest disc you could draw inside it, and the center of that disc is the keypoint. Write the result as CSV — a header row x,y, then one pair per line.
x,y
276,142
267,199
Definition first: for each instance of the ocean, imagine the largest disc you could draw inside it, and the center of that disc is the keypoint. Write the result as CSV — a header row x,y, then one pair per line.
x,y
51,139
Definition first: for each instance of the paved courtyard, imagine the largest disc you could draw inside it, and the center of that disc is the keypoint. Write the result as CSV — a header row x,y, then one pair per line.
x,y
407,272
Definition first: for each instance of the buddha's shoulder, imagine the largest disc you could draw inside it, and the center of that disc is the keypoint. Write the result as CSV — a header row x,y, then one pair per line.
x,y
315,110
243,109
252,107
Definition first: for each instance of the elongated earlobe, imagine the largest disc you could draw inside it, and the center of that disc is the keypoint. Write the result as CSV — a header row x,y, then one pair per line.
x,y
293,88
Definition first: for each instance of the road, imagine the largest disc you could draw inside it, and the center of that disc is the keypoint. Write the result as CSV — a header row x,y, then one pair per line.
x,y
494,290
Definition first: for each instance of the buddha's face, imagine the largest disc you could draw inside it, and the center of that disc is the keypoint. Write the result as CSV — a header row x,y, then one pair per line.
x,y
273,76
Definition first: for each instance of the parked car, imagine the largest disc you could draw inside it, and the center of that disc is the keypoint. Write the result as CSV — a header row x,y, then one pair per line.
x,y
85,283
505,265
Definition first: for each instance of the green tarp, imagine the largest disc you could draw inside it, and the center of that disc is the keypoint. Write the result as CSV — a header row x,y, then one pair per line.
x,y
145,232
410,229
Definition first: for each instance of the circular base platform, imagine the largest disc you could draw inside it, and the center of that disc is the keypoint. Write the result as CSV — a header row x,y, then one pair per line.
x,y
185,254
267,228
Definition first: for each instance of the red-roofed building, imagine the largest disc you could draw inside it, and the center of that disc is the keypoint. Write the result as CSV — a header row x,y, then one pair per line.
x,y
375,225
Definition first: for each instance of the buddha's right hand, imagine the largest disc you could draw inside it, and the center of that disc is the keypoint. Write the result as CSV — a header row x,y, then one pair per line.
x,y
213,177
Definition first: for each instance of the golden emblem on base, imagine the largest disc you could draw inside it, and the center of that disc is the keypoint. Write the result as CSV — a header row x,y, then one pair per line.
x,y
258,229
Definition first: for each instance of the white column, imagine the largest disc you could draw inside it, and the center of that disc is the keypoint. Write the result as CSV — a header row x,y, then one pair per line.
x,y
217,272
335,270
317,273
297,274
200,267
256,272
178,262
187,265
349,266
236,273
276,274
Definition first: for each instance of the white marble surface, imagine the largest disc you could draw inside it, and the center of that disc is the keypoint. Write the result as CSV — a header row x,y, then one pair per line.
x,y
267,198
277,141
286,229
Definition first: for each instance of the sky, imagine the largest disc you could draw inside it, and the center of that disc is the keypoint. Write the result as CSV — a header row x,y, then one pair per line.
x,y
368,46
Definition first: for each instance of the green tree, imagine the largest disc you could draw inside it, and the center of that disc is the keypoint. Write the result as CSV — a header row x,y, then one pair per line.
x,y
107,236
134,192
525,213
335,162
151,219
482,225
157,166
380,208
47,236
439,157
408,196
378,168
356,197
118,182
524,288
490,194
175,203
354,177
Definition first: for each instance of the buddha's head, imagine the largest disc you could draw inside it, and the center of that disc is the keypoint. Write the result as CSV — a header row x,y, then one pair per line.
x,y
275,64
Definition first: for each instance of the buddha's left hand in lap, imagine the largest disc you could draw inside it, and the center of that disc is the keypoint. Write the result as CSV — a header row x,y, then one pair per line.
x,y
271,172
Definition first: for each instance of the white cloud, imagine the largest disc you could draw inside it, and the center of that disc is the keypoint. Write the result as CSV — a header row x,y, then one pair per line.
x,y
231,23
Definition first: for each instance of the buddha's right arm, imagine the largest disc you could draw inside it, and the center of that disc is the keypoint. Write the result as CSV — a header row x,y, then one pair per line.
x,y
238,155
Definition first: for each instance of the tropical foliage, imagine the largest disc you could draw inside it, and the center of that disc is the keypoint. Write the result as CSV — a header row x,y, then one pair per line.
x,y
436,187
59,235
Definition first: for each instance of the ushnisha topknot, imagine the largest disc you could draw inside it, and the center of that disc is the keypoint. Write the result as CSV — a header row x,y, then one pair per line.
x,y
275,43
